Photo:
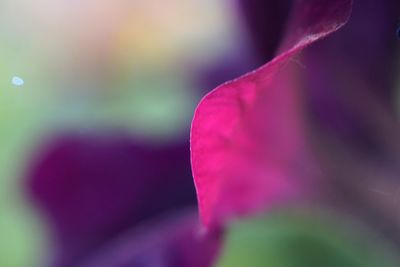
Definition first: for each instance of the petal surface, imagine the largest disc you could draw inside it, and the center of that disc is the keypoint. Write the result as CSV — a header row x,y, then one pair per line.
x,y
247,143
93,187
169,242
360,65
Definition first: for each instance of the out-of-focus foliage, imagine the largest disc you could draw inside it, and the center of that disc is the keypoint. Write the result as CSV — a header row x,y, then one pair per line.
x,y
299,241
96,65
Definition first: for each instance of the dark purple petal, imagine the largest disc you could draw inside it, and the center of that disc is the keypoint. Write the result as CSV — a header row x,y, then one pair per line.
x,y
349,83
266,21
92,187
352,91
173,242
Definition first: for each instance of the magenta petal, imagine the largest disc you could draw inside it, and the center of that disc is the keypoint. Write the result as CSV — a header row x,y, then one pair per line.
x,y
247,143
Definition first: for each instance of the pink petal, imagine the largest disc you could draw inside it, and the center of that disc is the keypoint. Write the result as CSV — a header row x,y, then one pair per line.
x,y
248,149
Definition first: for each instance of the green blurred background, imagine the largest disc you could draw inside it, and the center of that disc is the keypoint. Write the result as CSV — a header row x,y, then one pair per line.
x,y
132,65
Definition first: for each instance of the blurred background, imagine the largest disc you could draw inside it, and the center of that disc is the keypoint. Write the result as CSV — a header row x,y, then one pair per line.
x,y
120,80
98,66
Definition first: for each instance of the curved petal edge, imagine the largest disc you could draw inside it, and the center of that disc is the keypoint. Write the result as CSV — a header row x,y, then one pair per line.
x,y
246,135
